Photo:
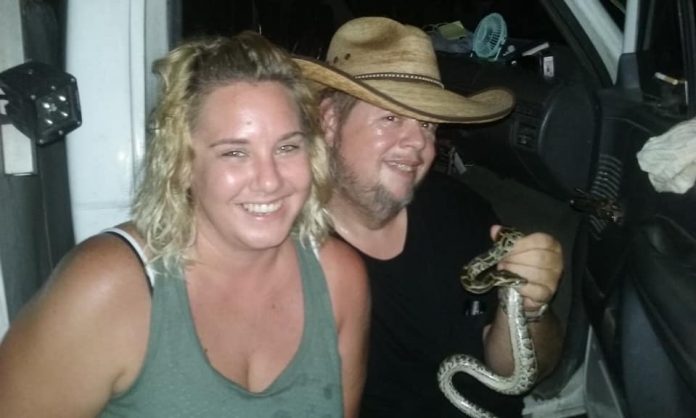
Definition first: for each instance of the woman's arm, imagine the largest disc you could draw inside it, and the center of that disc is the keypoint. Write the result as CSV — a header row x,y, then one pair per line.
x,y
350,296
77,342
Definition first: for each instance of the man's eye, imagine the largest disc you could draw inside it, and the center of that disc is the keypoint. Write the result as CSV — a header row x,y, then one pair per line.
x,y
391,118
429,126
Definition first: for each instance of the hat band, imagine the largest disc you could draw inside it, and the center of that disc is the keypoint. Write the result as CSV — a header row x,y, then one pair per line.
x,y
399,76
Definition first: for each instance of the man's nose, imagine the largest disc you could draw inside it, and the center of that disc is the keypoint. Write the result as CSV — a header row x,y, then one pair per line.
x,y
414,135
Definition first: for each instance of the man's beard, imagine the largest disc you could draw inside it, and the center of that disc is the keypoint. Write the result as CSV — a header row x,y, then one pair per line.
x,y
374,201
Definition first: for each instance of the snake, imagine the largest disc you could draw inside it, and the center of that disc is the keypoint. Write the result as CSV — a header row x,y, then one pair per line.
x,y
480,276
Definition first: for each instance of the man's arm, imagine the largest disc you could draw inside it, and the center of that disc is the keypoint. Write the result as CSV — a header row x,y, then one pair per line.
x,y
539,259
350,297
547,336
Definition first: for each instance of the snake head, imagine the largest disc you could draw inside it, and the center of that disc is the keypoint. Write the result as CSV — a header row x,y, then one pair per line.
x,y
481,274
506,237
491,278
507,278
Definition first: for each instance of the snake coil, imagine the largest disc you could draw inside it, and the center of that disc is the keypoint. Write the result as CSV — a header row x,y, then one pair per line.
x,y
480,276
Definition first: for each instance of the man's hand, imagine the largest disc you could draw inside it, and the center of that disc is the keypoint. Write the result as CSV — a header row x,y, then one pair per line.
x,y
539,259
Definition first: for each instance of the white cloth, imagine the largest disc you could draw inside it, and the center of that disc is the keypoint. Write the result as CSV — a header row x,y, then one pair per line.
x,y
670,158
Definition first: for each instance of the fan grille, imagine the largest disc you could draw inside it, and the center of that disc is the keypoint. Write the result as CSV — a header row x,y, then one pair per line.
x,y
489,36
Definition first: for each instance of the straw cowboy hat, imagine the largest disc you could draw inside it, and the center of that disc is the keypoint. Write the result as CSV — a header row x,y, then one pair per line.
x,y
393,66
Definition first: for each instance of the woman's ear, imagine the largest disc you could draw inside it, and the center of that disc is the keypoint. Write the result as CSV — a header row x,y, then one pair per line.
x,y
328,120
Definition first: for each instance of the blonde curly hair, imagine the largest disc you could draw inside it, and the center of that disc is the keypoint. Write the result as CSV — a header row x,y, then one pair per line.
x,y
163,209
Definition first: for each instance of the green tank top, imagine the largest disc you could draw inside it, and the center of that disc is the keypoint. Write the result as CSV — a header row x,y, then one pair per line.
x,y
176,379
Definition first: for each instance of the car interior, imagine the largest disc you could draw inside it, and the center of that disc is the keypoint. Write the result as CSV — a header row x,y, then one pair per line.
x,y
563,162
566,163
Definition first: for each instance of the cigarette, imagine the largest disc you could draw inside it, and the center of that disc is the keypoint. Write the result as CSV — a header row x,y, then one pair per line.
x,y
667,79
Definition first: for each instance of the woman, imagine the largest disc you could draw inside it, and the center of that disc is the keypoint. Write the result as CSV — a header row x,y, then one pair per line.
x,y
247,309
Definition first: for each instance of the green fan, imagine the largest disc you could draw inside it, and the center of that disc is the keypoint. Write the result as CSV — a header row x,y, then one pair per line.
x,y
489,36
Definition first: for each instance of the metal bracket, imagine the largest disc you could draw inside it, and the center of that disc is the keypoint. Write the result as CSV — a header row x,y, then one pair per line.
x,y
598,206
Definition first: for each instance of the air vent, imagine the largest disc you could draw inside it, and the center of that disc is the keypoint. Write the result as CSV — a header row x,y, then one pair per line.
x,y
531,110
527,136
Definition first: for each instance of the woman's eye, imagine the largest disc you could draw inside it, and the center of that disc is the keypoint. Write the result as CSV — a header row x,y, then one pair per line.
x,y
288,148
391,118
234,153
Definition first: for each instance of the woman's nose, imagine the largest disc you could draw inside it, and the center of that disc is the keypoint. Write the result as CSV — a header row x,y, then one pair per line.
x,y
266,175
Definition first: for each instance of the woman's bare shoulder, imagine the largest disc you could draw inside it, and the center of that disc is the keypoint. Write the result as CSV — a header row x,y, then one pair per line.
x,y
86,329
334,250
102,265
340,258
345,274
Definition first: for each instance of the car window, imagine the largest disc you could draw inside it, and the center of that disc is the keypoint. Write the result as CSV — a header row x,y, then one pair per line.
x,y
663,53
616,9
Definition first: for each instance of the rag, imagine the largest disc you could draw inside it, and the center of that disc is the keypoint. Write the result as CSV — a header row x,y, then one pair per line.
x,y
670,158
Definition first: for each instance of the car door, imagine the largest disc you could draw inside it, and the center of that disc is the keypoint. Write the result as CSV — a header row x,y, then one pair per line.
x,y
621,72
640,263
35,222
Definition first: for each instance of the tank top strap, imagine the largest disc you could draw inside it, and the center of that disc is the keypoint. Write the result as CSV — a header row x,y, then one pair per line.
x,y
137,249
316,290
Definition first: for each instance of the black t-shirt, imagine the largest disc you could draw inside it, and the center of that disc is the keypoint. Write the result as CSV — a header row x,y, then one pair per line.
x,y
420,312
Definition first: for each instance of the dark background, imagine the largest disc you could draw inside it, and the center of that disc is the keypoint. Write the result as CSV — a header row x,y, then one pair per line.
x,y
305,26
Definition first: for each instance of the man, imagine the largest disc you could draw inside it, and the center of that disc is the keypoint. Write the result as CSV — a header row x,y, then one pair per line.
x,y
379,114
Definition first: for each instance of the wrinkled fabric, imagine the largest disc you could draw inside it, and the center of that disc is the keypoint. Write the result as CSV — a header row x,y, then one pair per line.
x,y
670,158
177,380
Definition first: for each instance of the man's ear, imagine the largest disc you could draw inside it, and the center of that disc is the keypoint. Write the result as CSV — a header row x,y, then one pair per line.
x,y
328,120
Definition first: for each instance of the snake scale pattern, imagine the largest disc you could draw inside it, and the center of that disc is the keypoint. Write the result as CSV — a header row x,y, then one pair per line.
x,y
480,276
